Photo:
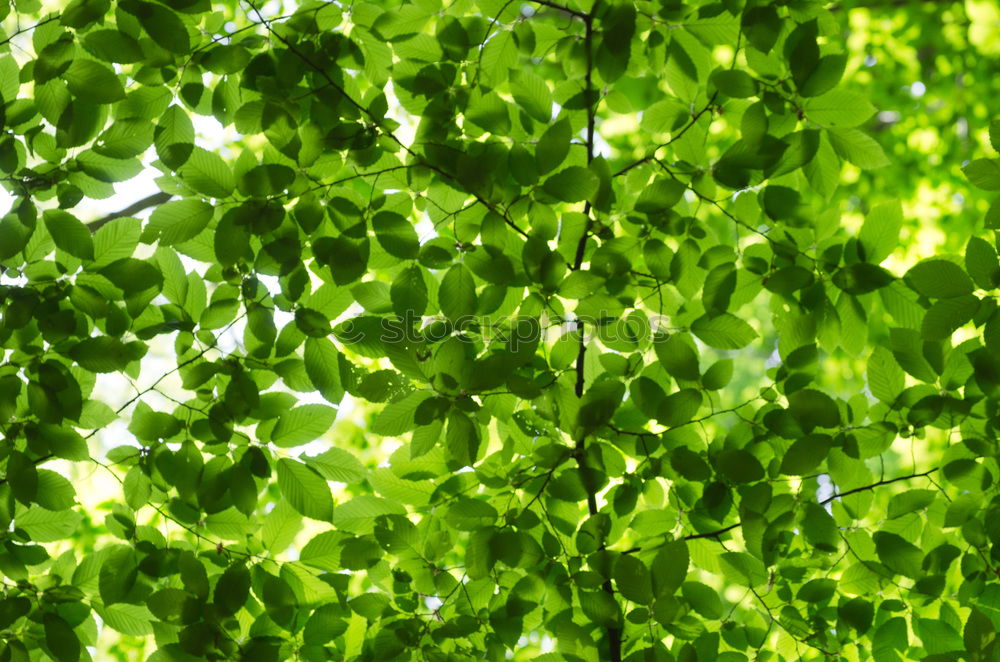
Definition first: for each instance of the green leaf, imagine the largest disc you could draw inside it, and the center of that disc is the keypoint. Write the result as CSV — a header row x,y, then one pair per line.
x,y
806,454
599,404
44,525
118,575
658,258
489,112
819,528
664,116
11,609
909,501
817,590
409,293
69,233
54,491
149,425
107,169
633,580
723,331
81,13
457,294
305,489
232,589
679,408
938,637
669,568
939,279
861,278
885,378
982,264
178,221
739,466
858,148
703,599
983,173
889,637
321,362
839,108
265,180
945,316
358,515
601,608
323,551
532,93
743,569
137,488
678,357
858,613
718,375
553,146
398,416
337,464
499,54
826,74
161,24
573,184
105,354
174,137
396,235
897,554
302,424
207,174
879,234
172,605
907,349
227,59
812,408
466,514
734,83
93,82
62,642
113,46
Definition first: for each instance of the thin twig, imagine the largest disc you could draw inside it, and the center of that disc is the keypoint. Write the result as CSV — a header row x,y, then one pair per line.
x,y
673,138
887,481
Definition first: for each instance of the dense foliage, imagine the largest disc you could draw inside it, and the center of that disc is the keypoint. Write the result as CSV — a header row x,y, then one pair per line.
x,y
499,329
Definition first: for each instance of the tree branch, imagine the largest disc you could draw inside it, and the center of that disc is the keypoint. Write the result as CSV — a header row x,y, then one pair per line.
x,y
131,210
566,10
693,536
878,484
673,138
614,634
20,31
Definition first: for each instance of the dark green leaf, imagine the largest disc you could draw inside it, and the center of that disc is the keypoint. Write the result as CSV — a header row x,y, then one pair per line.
x,y
939,279
94,82
396,235
573,184
69,234
983,173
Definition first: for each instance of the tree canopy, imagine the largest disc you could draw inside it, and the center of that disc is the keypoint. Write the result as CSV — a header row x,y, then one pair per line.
x,y
553,330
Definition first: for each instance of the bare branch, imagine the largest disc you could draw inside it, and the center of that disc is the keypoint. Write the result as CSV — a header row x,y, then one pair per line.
x,y
131,210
